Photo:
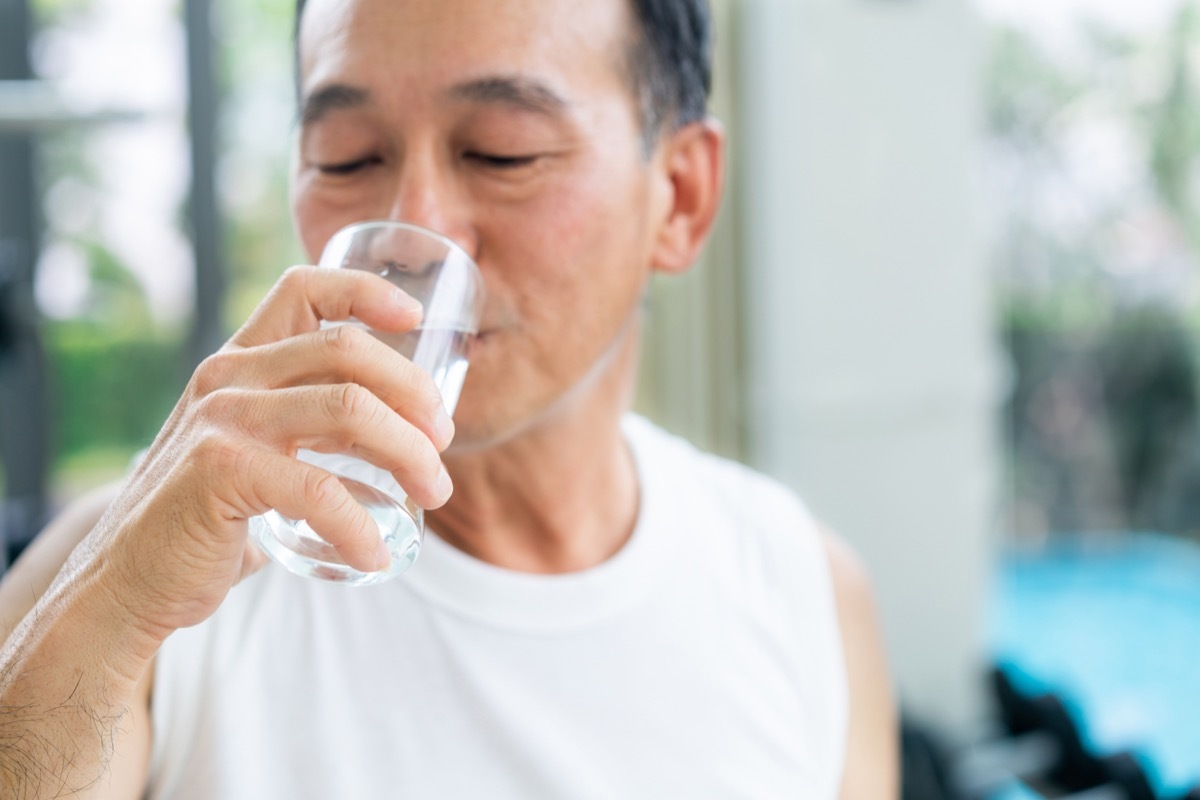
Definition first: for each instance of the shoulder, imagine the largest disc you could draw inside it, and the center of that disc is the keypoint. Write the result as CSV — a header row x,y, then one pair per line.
x,y
756,531
774,550
871,767
754,534
712,480
851,580
769,543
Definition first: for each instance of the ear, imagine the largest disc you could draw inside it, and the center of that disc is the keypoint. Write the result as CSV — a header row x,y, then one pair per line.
x,y
693,161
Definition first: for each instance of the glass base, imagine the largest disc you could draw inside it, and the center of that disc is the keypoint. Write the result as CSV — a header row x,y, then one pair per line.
x,y
295,546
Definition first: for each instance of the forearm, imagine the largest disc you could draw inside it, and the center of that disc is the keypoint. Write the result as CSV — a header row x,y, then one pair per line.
x,y
68,676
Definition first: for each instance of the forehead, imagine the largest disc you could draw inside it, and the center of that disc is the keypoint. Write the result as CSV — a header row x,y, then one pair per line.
x,y
571,45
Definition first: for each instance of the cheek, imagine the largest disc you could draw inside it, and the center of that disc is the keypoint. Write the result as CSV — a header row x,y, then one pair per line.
x,y
575,260
575,231
307,219
318,215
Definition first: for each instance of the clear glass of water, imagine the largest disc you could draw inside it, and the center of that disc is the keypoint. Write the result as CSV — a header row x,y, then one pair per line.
x,y
439,274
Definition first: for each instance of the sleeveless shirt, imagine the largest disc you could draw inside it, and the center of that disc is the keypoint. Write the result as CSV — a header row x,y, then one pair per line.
x,y
703,660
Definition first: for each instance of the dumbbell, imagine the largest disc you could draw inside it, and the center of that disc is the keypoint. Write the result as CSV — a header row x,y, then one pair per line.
x,y
1073,767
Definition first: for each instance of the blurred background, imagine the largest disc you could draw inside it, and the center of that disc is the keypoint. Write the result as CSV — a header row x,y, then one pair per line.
x,y
952,300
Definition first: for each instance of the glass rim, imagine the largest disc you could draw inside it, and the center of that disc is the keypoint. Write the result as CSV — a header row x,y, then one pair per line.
x,y
442,238
454,254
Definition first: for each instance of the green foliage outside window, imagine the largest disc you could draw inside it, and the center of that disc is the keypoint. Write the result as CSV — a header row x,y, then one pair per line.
x,y
1097,274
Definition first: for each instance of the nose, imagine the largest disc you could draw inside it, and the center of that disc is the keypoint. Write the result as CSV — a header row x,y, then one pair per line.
x,y
428,195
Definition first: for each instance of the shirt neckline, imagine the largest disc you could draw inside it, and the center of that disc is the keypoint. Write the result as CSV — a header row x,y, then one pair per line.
x,y
525,602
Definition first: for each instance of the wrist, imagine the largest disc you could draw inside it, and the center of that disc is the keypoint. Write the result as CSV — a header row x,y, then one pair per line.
x,y
90,615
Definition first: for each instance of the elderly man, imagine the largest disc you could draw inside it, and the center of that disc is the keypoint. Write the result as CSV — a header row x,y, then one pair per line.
x,y
600,610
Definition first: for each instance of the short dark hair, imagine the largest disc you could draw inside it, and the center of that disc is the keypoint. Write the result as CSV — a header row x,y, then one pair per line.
x,y
669,62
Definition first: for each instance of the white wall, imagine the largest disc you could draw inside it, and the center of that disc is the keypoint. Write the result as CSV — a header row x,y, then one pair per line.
x,y
871,363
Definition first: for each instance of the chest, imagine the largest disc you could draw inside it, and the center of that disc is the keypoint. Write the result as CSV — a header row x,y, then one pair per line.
x,y
680,699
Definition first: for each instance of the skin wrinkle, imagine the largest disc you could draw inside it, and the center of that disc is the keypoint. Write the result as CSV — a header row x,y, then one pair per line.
x,y
566,253
540,289
566,249
664,100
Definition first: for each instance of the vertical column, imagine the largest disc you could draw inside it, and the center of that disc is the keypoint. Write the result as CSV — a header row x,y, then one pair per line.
x,y
872,364
24,421
207,235
693,349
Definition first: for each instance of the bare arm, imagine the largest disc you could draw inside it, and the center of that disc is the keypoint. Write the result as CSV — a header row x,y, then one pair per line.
x,y
74,669
871,770
26,760
30,576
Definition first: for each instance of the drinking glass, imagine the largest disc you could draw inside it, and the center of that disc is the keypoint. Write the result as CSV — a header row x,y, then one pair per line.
x,y
445,280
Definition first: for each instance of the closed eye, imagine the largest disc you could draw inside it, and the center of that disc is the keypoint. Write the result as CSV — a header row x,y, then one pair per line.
x,y
348,167
500,162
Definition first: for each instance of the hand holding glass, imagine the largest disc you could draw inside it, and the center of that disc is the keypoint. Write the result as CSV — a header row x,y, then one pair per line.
x,y
444,279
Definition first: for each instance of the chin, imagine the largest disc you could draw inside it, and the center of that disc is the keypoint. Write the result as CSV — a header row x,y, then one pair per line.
x,y
481,424
479,427
476,439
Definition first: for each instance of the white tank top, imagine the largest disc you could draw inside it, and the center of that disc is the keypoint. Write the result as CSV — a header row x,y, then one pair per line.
x,y
701,661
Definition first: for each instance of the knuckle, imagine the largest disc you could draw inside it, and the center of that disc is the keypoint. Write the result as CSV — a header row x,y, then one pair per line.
x,y
218,404
214,373
218,453
294,278
345,340
353,402
247,461
353,410
323,490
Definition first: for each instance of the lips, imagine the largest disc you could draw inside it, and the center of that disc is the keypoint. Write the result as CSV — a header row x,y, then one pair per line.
x,y
490,327
477,341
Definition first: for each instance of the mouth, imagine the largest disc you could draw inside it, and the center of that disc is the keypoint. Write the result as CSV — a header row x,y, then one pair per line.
x,y
492,327
479,340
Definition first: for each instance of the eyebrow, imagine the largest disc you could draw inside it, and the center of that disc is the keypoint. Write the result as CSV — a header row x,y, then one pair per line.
x,y
521,93
330,98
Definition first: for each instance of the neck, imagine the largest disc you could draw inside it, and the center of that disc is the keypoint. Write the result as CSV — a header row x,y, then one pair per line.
x,y
562,495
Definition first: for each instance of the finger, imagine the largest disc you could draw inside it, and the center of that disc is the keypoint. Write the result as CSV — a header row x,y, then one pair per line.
x,y
297,490
305,296
341,418
344,354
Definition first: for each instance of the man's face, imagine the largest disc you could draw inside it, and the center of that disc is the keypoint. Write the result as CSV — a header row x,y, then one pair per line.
x,y
510,127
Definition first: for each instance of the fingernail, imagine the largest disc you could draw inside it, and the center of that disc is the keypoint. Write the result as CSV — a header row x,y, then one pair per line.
x,y
383,556
443,425
406,302
444,487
